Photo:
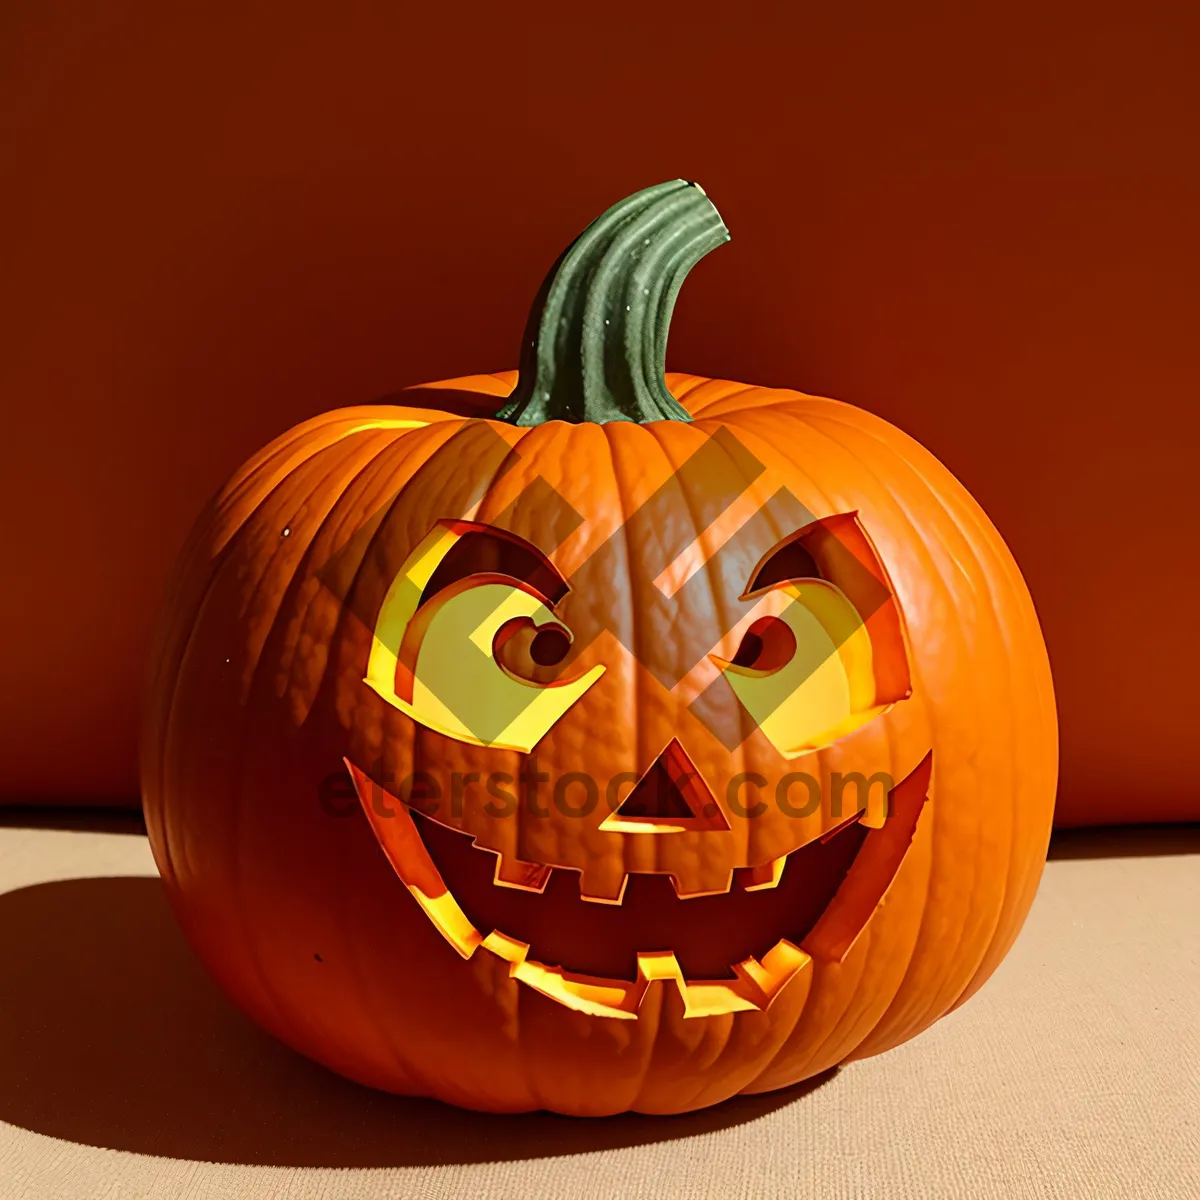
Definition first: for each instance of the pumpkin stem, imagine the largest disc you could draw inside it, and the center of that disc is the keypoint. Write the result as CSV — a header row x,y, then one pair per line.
x,y
595,346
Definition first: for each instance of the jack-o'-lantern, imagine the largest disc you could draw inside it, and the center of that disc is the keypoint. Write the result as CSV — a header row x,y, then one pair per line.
x,y
589,738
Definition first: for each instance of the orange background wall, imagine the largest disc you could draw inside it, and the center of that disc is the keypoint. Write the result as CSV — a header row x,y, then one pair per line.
x,y
977,220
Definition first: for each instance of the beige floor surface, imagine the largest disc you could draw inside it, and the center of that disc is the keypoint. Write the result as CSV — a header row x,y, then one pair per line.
x,y
1074,1073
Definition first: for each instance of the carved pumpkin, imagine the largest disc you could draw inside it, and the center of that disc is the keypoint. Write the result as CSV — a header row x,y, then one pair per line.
x,y
593,739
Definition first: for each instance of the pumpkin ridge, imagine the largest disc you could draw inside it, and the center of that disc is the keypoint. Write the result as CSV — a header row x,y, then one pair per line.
x,y
281,1005
214,567
371,465
813,1050
1010,576
635,694
658,432
1000,939
915,1022
736,392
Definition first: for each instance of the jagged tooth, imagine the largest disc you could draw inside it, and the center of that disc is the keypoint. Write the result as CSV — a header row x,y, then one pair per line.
x,y
756,980
719,891
505,947
765,875
785,958
661,965
603,887
755,986
763,980
516,873
876,813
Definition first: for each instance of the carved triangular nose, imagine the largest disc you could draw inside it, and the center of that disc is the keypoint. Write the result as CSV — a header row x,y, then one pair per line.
x,y
671,797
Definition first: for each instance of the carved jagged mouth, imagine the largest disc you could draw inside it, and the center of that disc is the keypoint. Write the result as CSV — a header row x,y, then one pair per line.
x,y
730,952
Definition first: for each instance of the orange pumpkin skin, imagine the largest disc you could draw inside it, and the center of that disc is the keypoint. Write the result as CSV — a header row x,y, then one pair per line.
x,y
740,586
258,696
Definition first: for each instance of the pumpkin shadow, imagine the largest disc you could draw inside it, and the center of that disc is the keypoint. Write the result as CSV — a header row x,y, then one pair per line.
x,y
111,1035
1125,841
125,819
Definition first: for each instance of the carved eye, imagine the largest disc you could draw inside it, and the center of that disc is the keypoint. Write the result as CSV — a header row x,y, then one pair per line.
x,y
471,651
804,672
807,669
789,563
529,652
767,646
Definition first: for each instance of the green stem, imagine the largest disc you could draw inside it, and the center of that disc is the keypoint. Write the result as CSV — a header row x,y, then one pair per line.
x,y
595,347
